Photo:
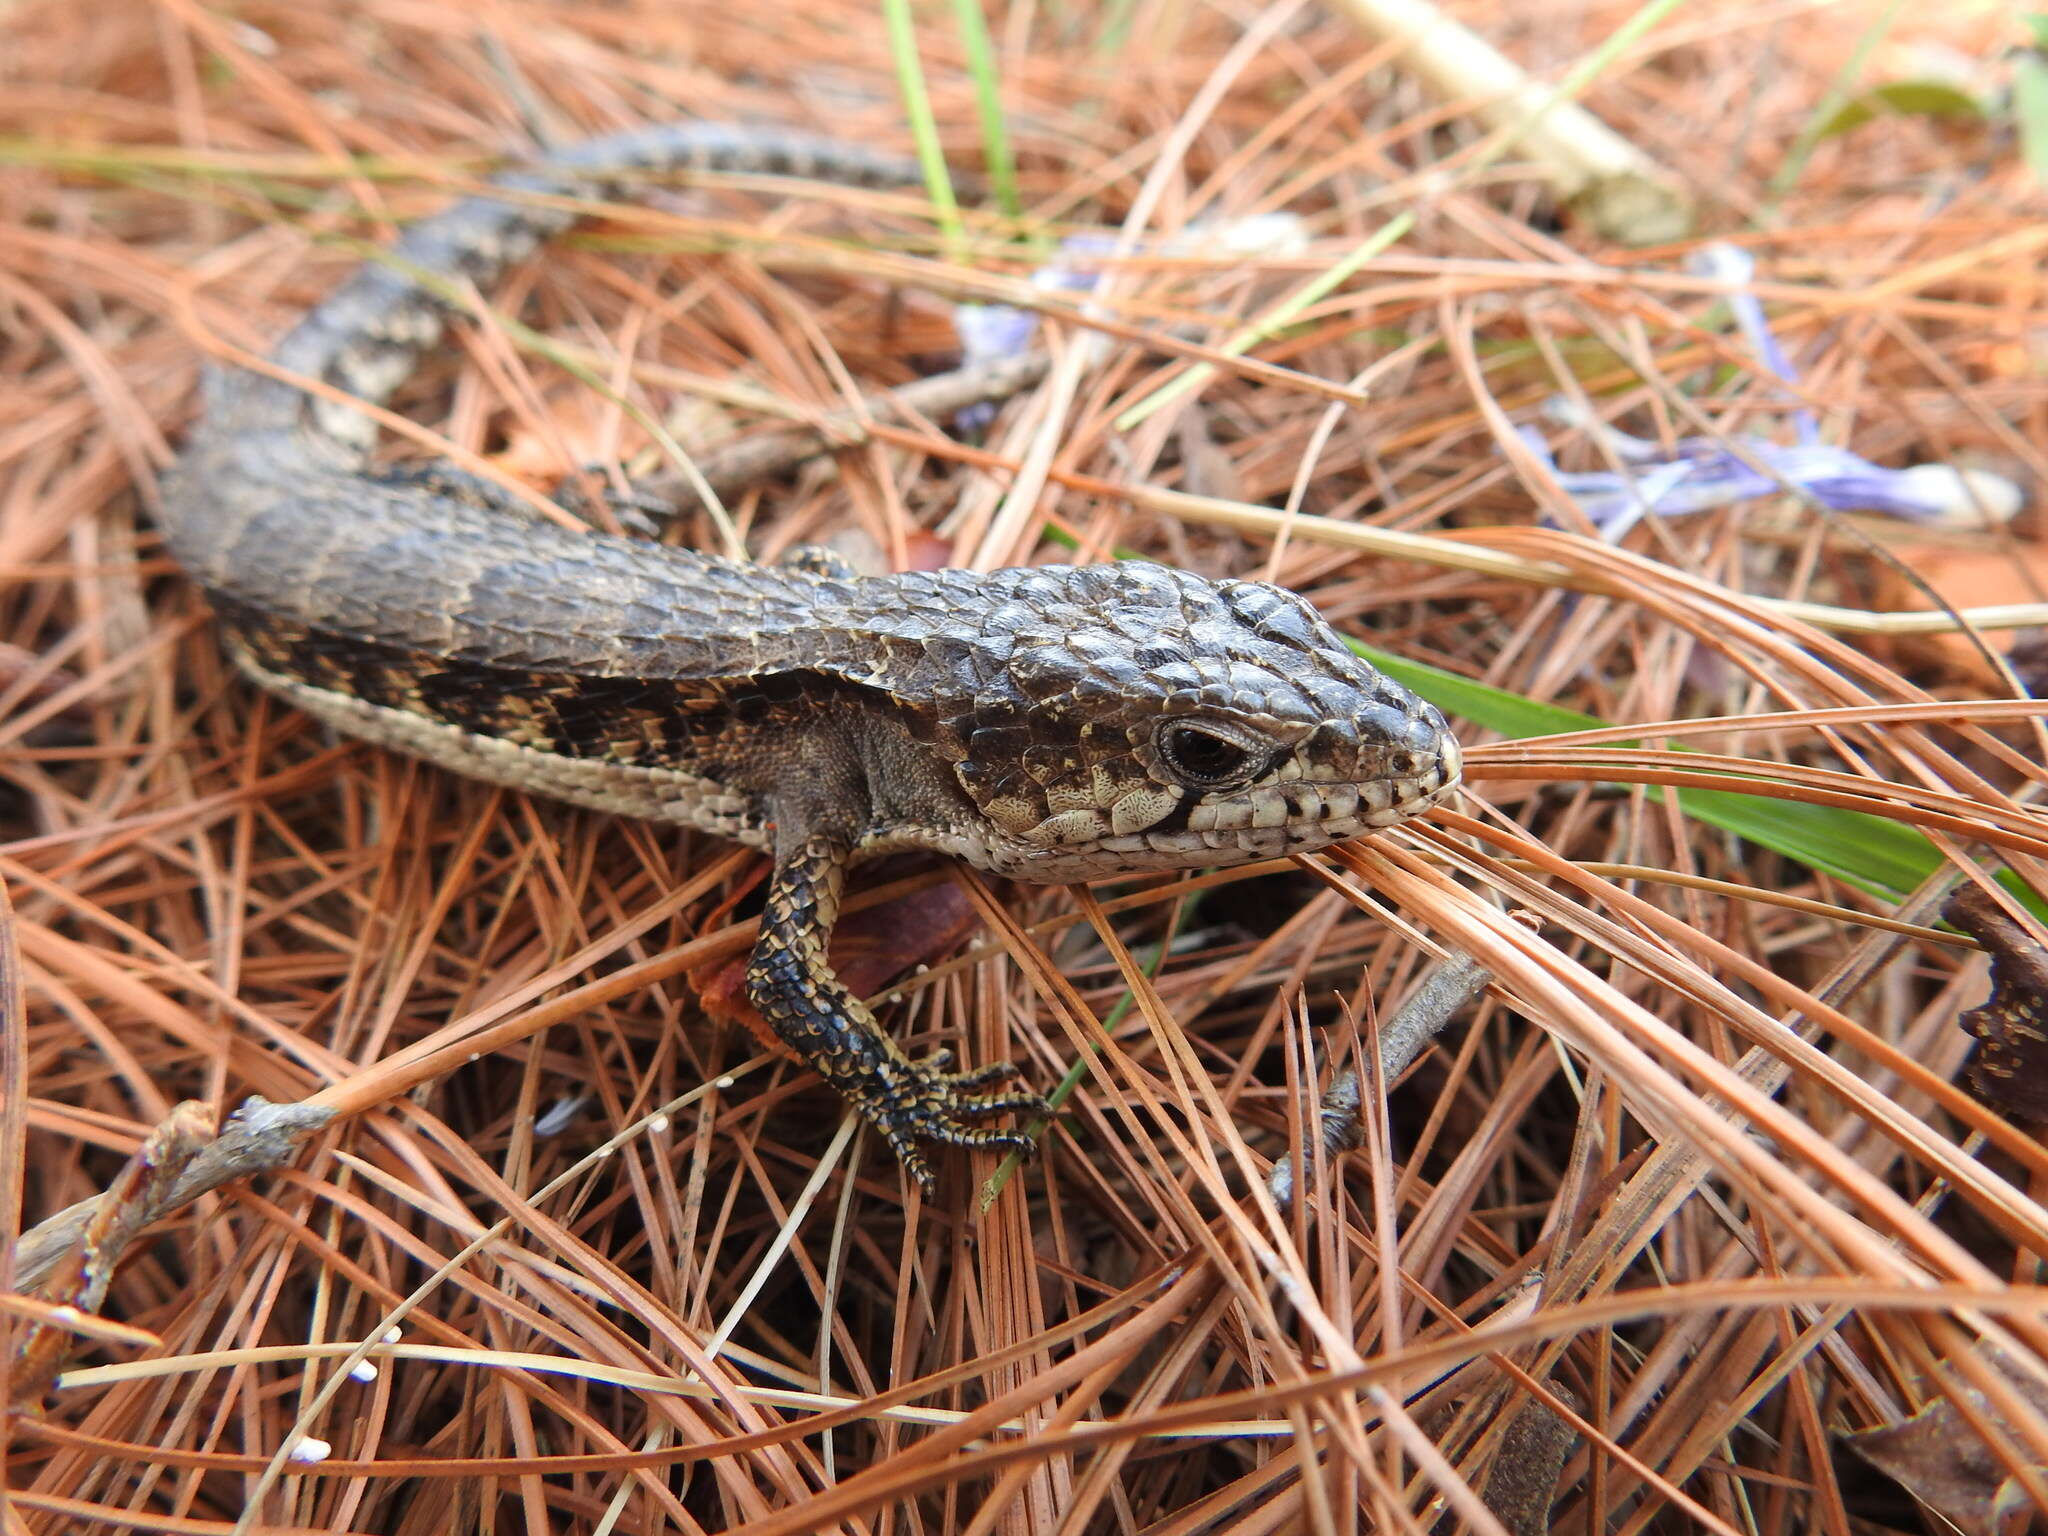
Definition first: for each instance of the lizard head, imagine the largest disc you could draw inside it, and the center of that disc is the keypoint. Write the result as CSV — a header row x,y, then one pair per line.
x,y
1132,716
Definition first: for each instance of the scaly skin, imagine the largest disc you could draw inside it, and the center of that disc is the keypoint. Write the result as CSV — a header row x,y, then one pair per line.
x,y
1049,724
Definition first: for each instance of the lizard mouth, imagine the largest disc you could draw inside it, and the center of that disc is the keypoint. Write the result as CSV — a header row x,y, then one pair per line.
x,y
1295,816
1263,822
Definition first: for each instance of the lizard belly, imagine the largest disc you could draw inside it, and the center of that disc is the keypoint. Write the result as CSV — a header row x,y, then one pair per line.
x,y
650,793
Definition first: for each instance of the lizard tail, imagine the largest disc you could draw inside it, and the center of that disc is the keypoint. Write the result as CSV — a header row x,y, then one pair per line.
x,y
371,332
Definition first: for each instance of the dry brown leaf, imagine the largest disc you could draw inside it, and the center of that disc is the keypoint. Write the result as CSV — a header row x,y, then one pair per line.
x,y
1942,1461
870,948
2011,1069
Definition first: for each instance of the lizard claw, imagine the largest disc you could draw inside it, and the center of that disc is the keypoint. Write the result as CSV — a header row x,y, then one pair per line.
x,y
921,1103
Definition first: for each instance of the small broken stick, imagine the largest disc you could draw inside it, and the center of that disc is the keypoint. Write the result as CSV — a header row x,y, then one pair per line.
x,y
737,466
180,1161
1456,982
79,1277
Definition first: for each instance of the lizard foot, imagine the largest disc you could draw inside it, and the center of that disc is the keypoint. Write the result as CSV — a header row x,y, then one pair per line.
x,y
914,1104
918,1103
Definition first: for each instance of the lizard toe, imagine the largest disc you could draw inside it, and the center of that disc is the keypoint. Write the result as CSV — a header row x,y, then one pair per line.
x,y
931,1106
981,1077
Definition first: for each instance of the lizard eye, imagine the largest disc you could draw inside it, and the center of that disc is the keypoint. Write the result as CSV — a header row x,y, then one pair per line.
x,y
1205,757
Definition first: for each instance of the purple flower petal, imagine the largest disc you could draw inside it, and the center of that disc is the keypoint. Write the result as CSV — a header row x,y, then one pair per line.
x,y
1711,475
1736,267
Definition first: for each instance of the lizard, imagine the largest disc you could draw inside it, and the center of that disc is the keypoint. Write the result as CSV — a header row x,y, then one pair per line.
x,y
1048,723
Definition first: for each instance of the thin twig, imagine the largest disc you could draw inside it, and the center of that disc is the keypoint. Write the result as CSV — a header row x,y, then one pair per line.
x,y
260,1137
748,462
1452,984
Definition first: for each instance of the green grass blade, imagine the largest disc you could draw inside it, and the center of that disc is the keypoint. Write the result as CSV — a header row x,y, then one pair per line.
x,y
924,124
2030,112
1882,857
988,102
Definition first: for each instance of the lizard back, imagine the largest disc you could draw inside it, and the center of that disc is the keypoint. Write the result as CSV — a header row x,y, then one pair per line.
x,y
1053,723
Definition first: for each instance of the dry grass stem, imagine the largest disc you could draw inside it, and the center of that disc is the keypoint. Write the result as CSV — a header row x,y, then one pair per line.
x,y
1700,1191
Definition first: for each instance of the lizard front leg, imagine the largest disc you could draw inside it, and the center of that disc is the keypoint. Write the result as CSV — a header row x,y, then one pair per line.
x,y
811,1011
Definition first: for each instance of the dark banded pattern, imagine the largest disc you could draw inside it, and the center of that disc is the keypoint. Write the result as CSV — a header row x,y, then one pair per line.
x,y
1049,724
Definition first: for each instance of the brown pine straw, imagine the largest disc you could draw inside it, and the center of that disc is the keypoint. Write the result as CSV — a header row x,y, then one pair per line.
x,y
1696,1188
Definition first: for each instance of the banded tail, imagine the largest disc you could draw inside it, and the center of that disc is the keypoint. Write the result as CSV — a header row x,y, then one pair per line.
x,y
370,334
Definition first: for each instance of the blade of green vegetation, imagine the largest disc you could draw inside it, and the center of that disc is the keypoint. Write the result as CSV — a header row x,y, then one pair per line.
x,y
1481,703
1899,98
988,101
924,124
2030,112
1115,21
1882,857
1793,166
